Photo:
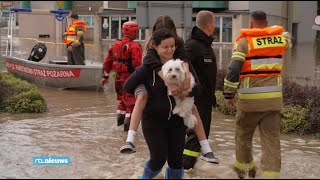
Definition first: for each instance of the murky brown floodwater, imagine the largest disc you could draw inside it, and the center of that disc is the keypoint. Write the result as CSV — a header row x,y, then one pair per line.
x,y
82,125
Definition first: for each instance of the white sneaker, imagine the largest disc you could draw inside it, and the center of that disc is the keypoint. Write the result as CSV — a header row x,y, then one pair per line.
x,y
209,157
128,148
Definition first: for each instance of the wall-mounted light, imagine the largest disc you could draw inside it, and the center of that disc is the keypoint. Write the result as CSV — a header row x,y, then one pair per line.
x,y
234,16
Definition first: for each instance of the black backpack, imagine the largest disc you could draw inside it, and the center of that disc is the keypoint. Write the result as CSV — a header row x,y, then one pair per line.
x,y
38,52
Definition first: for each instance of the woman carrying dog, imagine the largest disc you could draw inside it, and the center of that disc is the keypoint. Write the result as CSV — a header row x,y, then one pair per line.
x,y
164,132
152,61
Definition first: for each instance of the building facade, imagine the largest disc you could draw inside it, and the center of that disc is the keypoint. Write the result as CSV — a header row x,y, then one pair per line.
x,y
105,18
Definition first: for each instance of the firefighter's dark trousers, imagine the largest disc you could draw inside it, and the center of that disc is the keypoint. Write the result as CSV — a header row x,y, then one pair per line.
x,y
76,56
269,127
192,146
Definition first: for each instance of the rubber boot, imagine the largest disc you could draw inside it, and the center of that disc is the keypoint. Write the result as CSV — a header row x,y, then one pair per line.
x,y
241,174
120,119
252,172
174,173
148,173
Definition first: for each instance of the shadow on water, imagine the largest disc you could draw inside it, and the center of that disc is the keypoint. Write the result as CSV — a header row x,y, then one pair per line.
x,y
82,125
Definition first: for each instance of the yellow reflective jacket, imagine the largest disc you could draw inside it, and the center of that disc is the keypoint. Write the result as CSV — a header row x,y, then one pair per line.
x,y
259,85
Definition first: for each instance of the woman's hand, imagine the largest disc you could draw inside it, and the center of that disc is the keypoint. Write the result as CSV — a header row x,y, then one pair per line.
x,y
183,94
70,48
186,83
177,91
174,89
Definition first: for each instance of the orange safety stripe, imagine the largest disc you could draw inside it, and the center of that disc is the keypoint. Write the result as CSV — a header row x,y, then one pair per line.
x,y
71,31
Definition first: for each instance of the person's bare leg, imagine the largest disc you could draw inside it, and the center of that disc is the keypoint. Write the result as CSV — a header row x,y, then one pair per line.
x,y
139,106
198,128
207,153
136,116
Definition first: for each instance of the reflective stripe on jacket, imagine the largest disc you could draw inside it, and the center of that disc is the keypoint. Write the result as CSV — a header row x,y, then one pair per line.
x,y
71,34
266,48
260,86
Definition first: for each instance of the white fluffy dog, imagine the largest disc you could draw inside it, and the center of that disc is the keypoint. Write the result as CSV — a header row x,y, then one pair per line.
x,y
174,73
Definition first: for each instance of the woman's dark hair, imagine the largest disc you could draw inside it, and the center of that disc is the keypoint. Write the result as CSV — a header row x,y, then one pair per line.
x,y
161,34
163,22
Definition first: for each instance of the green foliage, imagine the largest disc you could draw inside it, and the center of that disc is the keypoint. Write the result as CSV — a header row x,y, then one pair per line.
x,y
221,74
301,110
294,120
25,102
19,96
314,120
3,92
17,85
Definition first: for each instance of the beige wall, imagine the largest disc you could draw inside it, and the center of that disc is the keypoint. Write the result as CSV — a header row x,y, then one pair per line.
x,y
89,35
295,9
42,5
118,4
31,25
276,8
236,26
238,5
306,12
82,7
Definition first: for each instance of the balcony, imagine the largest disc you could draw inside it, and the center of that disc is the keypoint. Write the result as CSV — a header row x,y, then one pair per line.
x,y
209,4
132,4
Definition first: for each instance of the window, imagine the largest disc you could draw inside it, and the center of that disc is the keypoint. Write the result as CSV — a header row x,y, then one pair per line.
x,y
123,20
105,28
227,29
294,33
216,33
193,23
112,30
142,34
114,27
223,29
89,19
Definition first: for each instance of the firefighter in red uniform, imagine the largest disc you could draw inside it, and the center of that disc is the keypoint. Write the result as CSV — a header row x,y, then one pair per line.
x,y
123,57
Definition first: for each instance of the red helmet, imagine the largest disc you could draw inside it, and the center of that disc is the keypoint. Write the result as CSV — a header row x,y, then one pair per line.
x,y
130,29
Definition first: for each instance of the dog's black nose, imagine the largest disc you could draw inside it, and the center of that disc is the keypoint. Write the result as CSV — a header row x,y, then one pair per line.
x,y
173,76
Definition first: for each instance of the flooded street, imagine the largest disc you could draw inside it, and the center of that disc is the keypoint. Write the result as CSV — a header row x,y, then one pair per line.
x,y
82,125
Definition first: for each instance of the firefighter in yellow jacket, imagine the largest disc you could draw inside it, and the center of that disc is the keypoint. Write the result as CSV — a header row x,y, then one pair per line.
x,y
74,41
255,74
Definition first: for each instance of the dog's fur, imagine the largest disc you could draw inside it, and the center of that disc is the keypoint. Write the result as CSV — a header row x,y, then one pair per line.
x,y
174,73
